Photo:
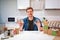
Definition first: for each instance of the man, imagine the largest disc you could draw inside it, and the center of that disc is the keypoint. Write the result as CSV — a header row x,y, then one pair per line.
x,y
31,23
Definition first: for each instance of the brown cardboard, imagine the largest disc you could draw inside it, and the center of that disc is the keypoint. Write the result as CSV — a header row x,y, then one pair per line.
x,y
49,31
46,31
17,30
57,38
58,33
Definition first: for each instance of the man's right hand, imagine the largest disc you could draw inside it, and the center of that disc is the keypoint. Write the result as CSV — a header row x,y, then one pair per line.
x,y
21,23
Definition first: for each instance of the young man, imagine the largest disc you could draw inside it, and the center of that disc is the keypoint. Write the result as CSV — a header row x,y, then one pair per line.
x,y
31,23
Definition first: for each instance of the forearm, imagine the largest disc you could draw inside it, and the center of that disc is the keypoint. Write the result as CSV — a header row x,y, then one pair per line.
x,y
21,28
40,28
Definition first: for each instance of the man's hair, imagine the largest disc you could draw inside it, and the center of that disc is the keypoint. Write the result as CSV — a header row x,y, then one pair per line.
x,y
29,8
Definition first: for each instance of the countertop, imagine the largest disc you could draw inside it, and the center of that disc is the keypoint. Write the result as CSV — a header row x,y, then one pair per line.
x,y
31,35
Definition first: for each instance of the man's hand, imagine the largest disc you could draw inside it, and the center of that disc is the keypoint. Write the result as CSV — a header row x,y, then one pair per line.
x,y
21,23
39,26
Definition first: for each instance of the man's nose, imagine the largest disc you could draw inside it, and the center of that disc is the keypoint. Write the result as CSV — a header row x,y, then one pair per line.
x,y
29,12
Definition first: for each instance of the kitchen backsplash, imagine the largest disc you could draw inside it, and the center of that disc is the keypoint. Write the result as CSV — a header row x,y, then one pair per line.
x,y
9,9
49,18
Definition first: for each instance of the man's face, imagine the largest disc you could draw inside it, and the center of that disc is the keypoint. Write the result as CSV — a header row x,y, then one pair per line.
x,y
29,13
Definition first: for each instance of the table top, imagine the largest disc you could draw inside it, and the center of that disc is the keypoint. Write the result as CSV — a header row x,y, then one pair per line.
x,y
31,35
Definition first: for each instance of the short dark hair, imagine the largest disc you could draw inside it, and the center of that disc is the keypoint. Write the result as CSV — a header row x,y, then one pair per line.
x,y
29,8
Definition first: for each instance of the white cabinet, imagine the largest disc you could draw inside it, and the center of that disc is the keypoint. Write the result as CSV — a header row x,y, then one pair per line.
x,y
35,4
52,4
23,4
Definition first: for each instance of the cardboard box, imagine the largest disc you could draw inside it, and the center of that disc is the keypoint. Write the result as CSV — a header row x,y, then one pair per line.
x,y
46,31
57,38
58,33
16,31
49,31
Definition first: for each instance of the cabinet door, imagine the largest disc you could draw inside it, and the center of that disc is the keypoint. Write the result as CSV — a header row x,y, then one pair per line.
x,y
52,4
23,4
37,4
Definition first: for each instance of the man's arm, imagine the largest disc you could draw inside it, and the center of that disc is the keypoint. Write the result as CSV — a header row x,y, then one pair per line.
x,y
21,23
39,25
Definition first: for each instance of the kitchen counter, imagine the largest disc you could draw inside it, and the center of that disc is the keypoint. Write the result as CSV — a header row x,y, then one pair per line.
x,y
31,35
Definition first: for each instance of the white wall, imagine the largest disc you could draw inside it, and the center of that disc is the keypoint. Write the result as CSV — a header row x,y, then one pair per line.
x,y
0,13
8,8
